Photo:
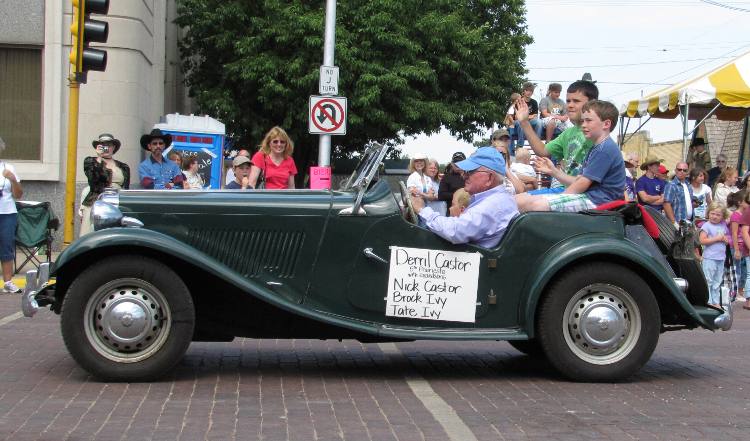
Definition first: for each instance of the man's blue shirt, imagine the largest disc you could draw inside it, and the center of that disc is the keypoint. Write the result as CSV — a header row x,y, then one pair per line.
x,y
674,193
160,173
483,223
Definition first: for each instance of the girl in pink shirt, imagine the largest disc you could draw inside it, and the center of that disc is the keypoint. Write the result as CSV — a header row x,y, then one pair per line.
x,y
737,205
745,229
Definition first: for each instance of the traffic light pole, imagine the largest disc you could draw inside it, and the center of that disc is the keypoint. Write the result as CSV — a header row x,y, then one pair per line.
x,y
71,162
82,31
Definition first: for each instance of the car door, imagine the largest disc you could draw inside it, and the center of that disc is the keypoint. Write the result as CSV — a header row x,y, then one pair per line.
x,y
367,286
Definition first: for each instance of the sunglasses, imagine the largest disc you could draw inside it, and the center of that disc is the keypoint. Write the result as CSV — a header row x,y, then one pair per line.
x,y
681,169
500,139
157,143
468,174
276,141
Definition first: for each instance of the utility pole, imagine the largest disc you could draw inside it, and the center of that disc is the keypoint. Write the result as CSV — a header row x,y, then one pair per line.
x,y
329,49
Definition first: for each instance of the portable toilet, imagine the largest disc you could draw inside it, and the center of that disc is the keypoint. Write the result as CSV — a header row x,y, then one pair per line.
x,y
200,136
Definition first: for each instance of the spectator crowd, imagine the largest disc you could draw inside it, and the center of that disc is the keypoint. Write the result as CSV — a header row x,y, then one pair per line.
x,y
552,155
558,155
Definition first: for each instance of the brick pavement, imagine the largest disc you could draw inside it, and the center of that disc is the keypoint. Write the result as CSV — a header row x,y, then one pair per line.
x,y
695,387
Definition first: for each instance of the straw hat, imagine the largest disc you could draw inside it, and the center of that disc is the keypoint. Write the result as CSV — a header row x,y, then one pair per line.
x,y
650,159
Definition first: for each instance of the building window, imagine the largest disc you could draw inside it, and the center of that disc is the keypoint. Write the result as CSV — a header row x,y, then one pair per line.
x,y
21,102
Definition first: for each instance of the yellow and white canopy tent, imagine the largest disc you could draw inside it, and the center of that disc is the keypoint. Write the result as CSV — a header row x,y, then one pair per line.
x,y
724,92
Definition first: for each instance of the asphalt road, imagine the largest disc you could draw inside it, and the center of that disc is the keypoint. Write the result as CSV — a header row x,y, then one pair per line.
x,y
695,387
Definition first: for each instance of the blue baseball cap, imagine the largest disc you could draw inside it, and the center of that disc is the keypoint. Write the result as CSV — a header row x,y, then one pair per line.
x,y
484,157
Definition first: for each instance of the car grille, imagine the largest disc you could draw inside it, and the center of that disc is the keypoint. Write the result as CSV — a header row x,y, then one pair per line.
x,y
251,252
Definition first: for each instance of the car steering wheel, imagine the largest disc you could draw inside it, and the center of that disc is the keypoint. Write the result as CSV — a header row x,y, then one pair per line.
x,y
409,214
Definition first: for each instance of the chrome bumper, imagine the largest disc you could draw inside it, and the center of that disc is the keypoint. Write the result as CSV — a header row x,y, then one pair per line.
x,y
36,281
724,321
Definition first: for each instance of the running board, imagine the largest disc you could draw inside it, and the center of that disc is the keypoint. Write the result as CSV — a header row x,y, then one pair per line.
x,y
424,333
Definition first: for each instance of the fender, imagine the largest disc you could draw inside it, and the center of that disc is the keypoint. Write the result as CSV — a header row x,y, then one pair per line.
x,y
113,239
568,252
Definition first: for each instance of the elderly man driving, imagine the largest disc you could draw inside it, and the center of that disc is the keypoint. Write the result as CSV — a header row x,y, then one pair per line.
x,y
491,208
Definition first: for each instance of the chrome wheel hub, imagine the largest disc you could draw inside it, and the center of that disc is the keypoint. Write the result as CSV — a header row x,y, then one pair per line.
x,y
602,323
127,320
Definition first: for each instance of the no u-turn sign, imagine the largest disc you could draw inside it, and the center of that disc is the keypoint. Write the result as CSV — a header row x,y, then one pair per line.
x,y
327,115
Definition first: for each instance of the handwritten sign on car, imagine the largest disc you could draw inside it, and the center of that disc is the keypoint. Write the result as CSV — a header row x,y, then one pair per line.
x,y
432,284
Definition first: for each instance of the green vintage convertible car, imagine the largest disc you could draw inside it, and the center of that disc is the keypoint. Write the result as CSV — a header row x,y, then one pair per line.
x,y
589,291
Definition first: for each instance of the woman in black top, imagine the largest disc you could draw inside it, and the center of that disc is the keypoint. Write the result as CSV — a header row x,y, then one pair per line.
x,y
102,171
452,180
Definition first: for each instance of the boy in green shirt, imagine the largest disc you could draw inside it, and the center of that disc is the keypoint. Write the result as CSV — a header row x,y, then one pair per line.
x,y
570,148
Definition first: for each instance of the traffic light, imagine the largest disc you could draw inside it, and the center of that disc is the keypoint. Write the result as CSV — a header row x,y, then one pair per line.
x,y
85,31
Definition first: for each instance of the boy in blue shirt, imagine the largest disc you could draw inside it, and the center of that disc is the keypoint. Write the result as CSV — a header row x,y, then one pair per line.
x,y
602,179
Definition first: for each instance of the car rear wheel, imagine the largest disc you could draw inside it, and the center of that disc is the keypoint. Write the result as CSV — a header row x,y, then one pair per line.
x,y
599,322
128,318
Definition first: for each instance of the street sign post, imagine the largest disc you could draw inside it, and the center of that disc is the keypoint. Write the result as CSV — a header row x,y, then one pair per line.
x,y
322,120
329,80
327,115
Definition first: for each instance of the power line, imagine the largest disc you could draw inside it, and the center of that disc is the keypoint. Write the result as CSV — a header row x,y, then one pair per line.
x,y
681,44
683,72
722,5
535,80
631,3
628,64
652,48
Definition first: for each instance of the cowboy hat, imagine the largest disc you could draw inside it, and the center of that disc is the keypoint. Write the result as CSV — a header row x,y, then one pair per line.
x,y
458,156
106,138
156,133
650,159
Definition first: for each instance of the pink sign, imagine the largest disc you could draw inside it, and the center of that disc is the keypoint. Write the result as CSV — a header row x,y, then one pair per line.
x,y
320,178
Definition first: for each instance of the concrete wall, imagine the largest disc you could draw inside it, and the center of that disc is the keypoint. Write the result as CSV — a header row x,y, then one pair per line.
x,y
640,144
22,22
142,82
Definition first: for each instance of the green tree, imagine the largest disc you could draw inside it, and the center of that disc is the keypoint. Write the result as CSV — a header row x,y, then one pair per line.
x,y
406,66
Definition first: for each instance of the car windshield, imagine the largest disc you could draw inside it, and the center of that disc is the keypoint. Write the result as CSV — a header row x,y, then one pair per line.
x,y
367,166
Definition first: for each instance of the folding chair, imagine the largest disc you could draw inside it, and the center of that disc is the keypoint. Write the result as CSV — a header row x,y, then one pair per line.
x,y
36,221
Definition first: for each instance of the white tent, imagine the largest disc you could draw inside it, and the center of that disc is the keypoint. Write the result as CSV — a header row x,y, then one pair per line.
x,y
724,92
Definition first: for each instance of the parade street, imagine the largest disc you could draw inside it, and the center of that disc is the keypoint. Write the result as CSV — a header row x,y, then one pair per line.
x,y
694,387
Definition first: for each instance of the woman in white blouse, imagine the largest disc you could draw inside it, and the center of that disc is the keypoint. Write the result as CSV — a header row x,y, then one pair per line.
x,y
433,174
418,182
193,179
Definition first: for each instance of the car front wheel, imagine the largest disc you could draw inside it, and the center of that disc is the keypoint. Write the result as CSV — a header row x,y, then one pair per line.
x,y
599,322
127,318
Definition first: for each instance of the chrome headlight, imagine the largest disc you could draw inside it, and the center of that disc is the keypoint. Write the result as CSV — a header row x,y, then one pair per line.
x,y
105,215
110,196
